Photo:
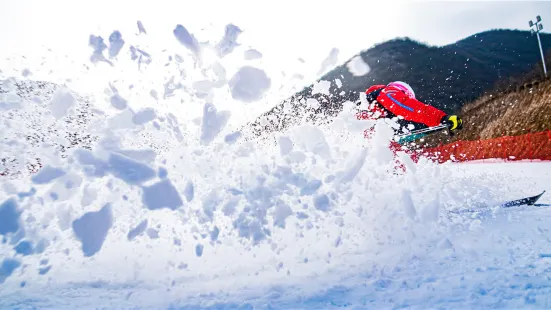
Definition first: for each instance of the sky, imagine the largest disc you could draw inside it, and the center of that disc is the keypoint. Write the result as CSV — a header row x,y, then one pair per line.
x,y
283,31
307,29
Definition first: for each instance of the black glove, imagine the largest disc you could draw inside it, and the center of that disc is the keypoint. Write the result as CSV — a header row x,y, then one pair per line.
x,y
453,122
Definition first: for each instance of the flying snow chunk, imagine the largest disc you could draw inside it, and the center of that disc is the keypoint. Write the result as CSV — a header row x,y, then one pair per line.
x,y
97,44
230,206
47,174
162,173
445,244
249,228
24,248
43,271
281,213
311,187
133,53
62,101
287,175
140,55
321,87
189,191
312,103
152,233
141,28
161,195
212,123
92,228
312,139
26,73
27,194
321,202
330,61
153,93
220,73
210,202
115,43
122,120
144,116
91,165
215,233
10,101
203,87
143,155
249,84
186,39
357,66
170,87
9,217
408,205
380,150
229,41
136,231
118,102
129,170
353,166
285,145
7,267
252,54
199,250
232,137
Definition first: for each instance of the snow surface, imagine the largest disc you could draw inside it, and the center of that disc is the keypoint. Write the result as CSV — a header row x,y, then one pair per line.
x,y
168,207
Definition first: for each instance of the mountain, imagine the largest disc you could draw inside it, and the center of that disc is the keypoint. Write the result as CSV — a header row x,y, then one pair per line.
x,y
445,76
517,110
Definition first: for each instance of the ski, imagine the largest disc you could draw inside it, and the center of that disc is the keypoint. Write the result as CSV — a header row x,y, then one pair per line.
x,y
526,201
423,130
530,201
419,133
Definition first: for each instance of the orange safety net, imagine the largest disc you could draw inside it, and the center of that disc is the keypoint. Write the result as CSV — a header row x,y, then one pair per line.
x,y
531,146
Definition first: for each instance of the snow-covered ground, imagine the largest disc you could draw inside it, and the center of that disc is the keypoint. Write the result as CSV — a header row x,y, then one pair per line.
x,y
166,205
305,223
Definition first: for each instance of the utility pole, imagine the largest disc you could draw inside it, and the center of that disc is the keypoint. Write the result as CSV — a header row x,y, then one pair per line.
x,y
539,27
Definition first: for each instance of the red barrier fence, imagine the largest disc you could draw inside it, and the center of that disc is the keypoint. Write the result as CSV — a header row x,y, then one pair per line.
x,y
531,146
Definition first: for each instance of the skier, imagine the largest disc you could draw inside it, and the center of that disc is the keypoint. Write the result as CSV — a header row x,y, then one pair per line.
x,y
397,101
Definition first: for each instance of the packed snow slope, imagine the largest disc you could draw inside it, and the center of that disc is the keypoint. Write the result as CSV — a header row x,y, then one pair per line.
x,y
169,208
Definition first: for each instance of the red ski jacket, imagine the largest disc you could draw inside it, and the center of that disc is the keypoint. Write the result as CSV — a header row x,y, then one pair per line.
x,y
395,101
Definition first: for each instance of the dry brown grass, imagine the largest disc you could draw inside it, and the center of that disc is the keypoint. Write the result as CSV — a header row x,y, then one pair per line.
x,y
522,110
